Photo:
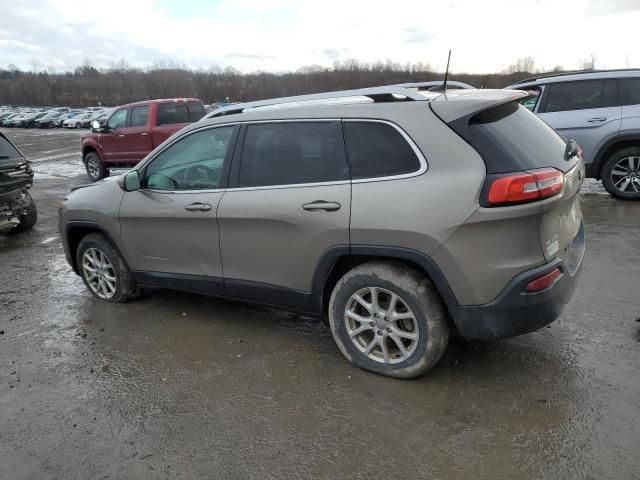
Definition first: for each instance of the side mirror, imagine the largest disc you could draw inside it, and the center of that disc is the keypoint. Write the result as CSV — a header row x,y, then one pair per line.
x,y
130,181
95,125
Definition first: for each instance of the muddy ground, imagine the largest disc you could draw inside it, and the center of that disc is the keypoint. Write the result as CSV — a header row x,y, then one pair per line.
x,y
185,386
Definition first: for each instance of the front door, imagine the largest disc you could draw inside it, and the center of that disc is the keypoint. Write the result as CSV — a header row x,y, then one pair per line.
x,y
113,141
137,140
587,111
288,203
169,226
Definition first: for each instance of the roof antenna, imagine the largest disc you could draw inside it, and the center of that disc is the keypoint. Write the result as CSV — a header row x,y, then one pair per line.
x,y
443,86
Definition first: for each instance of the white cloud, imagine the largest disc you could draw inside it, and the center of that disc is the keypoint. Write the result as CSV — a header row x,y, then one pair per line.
x,y
281,35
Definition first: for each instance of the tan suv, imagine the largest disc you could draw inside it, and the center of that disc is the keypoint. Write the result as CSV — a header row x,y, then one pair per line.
x,y
401,214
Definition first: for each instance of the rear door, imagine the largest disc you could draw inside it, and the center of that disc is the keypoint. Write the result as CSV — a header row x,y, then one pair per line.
x,y
137,140
289,201
630,99
587,111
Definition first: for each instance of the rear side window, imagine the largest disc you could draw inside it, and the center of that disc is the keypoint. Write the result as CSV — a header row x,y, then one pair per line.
x,y
7,150
510,138
196,111
139,116
630,91
292,153
378,150
581,95
170,113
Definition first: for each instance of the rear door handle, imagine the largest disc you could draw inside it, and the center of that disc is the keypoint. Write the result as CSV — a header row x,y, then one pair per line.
x,y
120,135
597,120
198,207
321,206
144,134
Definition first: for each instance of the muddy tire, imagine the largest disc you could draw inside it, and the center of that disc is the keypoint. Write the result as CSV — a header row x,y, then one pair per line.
x,y
95,169
621,174
29,218
388,319
103,270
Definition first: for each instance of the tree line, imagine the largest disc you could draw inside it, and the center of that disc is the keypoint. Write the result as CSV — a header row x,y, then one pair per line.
x,y
89,86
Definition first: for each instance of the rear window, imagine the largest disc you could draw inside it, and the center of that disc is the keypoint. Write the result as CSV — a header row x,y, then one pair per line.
x,y
170,113
196,111
378,150
7,150
510,138
630,91
581,95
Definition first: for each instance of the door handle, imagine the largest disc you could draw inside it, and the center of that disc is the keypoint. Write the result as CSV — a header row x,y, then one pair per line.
x,y
144,134
321,206
198,207
121,135
597,119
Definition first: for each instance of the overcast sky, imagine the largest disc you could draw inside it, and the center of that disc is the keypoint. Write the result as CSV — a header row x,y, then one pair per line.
x,y
281,35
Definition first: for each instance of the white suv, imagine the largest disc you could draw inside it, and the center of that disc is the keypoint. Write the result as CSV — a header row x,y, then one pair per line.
x,y
601,111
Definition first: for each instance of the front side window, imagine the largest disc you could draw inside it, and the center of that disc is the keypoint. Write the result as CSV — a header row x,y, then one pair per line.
x,y
170,113
194,162
378,150
630,91
582,95
139,116
118,119
292,153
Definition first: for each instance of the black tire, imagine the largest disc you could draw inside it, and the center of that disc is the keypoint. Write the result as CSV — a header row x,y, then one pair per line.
x,y
418,294
125,287
610,180
95,169
29,218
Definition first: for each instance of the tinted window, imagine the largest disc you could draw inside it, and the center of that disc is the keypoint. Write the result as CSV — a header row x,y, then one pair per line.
x,y
290,153
378,150
139,116
581,95
7,150
169,113
531,101
196,111
630,91
118,119
510,138
193,163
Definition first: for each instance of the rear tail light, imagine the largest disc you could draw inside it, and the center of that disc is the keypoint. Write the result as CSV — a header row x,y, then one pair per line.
x,y
544,281
523,187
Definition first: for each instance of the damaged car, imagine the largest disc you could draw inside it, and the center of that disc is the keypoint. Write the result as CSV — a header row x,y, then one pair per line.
x,y
17,208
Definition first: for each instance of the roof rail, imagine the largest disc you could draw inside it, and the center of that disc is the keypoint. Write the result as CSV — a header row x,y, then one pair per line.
x,y
428,85
574,72
391,93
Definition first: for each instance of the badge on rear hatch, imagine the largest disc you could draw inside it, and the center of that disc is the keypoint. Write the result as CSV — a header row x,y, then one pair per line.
x,y
552,245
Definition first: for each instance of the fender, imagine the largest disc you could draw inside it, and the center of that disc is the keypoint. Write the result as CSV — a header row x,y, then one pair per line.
x,y
90,142
85,224
332,255
593,169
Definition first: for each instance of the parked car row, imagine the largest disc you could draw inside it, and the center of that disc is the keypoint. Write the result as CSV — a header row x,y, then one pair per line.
x,y
57,117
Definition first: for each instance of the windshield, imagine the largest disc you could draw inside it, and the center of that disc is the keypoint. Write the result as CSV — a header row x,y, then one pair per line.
x,y
7,150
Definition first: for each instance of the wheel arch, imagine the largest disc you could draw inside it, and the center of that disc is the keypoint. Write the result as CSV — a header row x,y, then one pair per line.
x,y
336,261
75,231
609,148
90,148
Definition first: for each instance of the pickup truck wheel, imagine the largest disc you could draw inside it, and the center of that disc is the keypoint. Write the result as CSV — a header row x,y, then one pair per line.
x,y
28,218
103,270
95,169
621,174
388,319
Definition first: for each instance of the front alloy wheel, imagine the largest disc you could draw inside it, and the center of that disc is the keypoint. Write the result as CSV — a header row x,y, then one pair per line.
x,y
625,175
99,273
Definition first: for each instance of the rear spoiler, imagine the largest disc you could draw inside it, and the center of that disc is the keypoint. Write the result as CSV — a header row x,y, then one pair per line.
x,y
463,103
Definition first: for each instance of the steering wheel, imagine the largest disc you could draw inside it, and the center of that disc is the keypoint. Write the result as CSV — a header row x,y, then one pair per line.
x,y
197,173
161,181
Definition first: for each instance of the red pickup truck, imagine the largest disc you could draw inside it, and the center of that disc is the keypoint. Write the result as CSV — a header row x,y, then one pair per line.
x,y
133,130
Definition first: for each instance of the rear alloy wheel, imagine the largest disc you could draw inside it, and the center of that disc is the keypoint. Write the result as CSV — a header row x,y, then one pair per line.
x,y
95,169
389,319
621,174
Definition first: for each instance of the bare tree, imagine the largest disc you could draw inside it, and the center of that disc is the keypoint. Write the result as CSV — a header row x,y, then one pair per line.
x,y
588,63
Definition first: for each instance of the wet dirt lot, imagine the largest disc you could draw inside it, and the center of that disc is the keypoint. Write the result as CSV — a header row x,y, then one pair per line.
x,y
185,386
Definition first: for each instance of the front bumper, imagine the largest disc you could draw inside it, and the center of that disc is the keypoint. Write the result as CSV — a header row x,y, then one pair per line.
x,y
515,311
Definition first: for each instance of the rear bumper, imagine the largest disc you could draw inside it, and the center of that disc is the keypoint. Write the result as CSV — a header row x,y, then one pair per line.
x,y
515,311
